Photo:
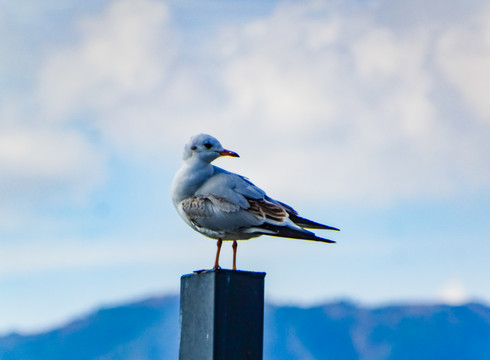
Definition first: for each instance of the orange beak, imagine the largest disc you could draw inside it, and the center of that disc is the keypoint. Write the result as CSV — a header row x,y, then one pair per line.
x,y
228,153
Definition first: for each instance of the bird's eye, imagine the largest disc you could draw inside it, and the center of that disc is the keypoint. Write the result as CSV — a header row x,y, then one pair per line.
x,y
193,147
208,145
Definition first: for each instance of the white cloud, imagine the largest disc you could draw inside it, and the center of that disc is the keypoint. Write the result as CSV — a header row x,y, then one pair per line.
x,y
118,63
348,111
342,100
21,259
453,292
463,54
47,162
43,153
122,52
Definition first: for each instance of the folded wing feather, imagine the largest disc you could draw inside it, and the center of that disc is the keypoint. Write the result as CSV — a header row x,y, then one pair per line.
x,y
231,203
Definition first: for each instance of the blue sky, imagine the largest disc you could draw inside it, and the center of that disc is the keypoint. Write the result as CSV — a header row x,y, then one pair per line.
x,y
370,116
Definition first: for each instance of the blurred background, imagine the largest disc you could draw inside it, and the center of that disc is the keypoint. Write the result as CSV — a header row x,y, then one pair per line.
x,y
368,115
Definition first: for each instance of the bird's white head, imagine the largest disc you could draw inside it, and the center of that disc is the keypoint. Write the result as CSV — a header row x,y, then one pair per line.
x,y
205,148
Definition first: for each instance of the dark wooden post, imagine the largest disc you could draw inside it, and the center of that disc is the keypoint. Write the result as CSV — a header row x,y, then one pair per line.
x,y
222,315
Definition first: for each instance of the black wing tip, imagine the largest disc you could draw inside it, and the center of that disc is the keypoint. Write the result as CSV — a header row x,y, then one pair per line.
x,y
328,241
309,224
323,227
282,231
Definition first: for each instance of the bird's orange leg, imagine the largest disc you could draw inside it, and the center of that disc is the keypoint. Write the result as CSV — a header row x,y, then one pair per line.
x,y
216,262
234,246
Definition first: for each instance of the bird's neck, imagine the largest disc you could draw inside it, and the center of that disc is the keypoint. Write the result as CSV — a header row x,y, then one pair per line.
x,y
190,177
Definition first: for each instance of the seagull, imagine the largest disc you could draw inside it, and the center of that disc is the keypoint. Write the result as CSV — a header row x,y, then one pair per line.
x,y
226,206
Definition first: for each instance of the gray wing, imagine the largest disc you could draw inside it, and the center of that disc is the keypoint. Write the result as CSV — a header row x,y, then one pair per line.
x,y
232,187
229,202
218,214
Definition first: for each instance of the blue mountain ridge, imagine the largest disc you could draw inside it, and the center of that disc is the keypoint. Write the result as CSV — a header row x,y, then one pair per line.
x,y
149,329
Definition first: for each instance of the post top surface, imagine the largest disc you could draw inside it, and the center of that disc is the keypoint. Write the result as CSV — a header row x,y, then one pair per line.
x,y
252,274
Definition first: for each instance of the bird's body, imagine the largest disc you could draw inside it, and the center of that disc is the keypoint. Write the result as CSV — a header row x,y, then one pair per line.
x,y
226,206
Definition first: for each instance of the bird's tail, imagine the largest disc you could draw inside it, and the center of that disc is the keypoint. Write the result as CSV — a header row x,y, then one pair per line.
x,y
284,231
